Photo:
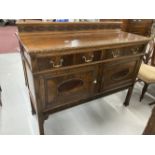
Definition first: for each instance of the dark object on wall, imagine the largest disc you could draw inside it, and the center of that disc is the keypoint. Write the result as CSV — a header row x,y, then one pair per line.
x,y
66,64
137,26
4,22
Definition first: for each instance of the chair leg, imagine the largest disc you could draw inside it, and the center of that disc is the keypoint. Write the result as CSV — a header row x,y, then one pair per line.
x,y
152,103
32,107
144,91
128,96
0,96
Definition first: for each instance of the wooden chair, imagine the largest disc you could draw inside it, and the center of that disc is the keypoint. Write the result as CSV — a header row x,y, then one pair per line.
x,y
147,75
0,96
147,72
149,55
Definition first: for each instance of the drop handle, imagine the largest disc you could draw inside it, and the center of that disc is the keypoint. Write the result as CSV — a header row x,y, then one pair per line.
x,y
57,65
116,53
88,60
135,50
95,81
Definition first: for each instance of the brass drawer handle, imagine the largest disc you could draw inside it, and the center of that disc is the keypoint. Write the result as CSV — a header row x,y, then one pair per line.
x,y
88,60
135,50
116,53
95,81
55,65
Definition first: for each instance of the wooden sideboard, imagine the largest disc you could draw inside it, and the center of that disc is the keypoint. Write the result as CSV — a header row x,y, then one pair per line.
x,y
66,64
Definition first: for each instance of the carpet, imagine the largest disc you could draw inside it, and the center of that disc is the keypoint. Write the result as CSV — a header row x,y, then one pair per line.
x,y
8,40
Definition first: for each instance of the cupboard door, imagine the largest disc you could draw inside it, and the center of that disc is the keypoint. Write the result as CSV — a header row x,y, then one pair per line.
x,y
116,74
69,86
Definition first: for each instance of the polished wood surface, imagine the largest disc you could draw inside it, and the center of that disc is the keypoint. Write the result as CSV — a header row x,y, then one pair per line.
x,y
64,69
58,42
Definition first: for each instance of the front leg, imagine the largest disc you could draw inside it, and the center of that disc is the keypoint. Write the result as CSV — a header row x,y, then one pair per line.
x,y
41,124
128,96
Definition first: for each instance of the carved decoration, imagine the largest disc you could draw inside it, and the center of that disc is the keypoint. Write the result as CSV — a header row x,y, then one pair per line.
x,y
115,53
70,85
135,50
67,27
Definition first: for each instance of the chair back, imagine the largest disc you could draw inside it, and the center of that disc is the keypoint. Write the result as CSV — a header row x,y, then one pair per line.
x,y
153,58
147,59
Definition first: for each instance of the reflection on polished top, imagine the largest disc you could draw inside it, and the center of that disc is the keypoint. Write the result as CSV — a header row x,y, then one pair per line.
x,y
41,42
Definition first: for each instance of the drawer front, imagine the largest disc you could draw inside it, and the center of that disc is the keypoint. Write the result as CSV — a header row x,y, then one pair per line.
x,y
68,86
87,57
121,52
119,73
51,62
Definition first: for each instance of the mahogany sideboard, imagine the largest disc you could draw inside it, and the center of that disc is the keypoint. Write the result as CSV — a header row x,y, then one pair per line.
x,y
66,64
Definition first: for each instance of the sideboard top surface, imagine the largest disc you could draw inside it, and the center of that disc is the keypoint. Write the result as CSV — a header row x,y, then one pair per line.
x,y
48,42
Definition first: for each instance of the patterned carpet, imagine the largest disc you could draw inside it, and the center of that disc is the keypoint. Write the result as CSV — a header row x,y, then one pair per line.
x,y
8,40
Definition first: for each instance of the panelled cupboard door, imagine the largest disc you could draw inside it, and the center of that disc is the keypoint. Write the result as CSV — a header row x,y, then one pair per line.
x,y
68,86
118,74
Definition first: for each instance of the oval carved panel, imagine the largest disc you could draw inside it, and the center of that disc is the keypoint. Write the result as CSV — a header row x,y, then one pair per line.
x,y
120,75
70,85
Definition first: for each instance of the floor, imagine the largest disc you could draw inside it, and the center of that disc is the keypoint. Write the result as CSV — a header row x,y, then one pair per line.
x,y
8,39
102,116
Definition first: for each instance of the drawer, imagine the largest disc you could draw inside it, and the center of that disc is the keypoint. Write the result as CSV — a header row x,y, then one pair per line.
x,y
118,73
51,62
121,52
68,86
87,57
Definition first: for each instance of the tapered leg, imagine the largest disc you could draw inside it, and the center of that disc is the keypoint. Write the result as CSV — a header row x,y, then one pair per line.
x,y
25,74
32,107
143,91
128,97
152,103
41,124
